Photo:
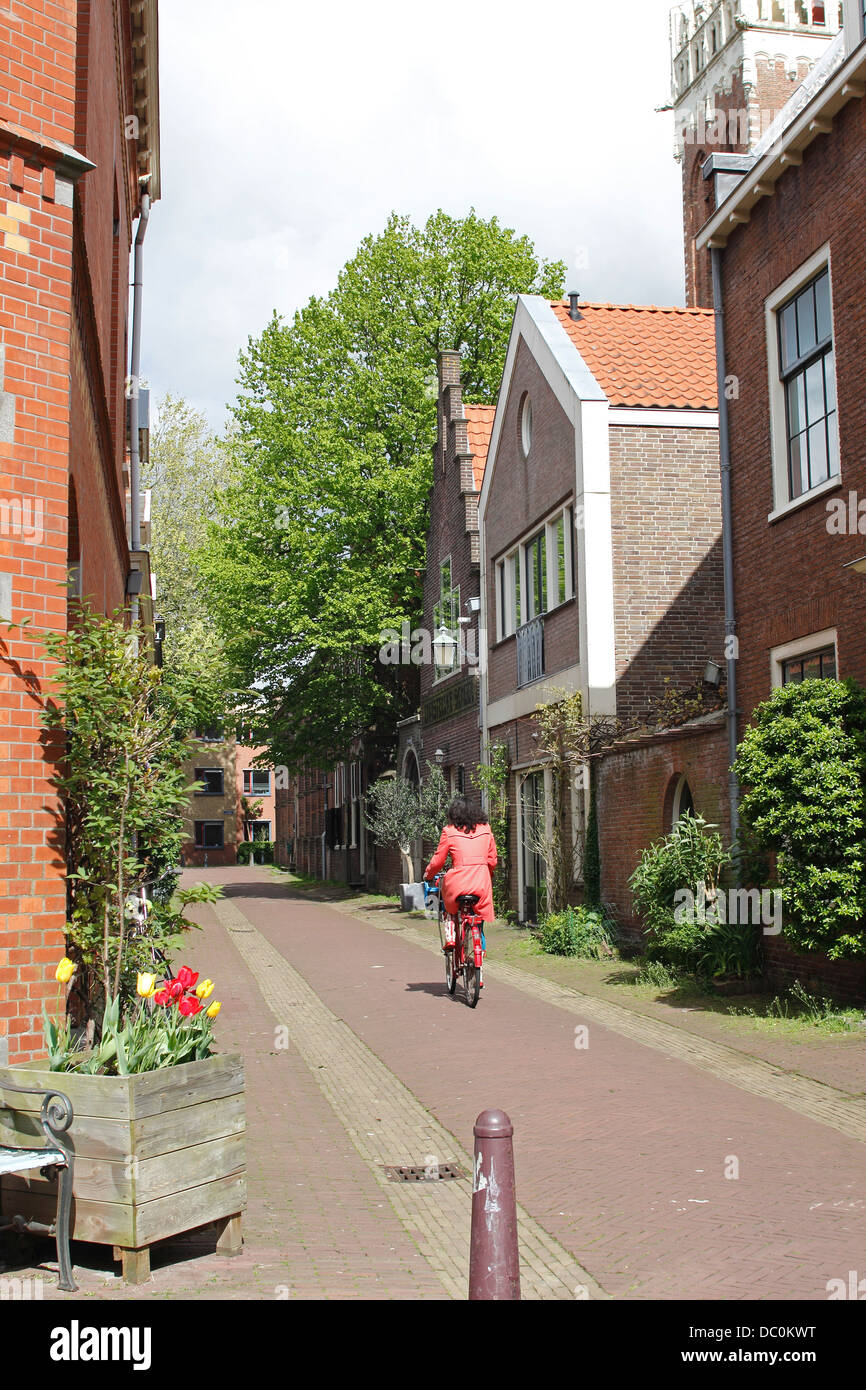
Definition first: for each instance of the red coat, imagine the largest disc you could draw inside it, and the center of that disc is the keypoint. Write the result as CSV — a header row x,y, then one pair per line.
x,y
473,859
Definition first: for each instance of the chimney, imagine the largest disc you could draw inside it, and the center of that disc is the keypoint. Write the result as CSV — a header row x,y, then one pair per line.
x,y
573,301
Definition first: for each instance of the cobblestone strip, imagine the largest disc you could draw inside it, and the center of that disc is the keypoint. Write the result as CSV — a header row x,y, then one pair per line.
x,y
389,1126
799,1093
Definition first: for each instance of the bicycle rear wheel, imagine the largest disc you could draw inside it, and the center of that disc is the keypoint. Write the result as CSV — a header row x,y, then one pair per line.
x,y
471,973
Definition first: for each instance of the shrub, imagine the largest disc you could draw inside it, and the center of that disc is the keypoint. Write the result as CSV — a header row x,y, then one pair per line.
x,y
577,931
729,949
802,764
691,857
256,851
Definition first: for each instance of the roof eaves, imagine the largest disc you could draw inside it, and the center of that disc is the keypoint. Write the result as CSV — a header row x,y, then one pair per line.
x,y
814,120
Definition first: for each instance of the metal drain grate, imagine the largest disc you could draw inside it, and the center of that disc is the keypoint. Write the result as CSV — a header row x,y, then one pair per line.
x,y
432,1172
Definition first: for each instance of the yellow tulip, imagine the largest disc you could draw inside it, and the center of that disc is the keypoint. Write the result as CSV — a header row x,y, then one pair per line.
x,y
145,986
65,970
214,1009
205,989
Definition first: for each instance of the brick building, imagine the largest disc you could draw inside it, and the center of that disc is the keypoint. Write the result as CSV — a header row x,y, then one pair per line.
x,y
79,141
791,264
230,783
449,726
600,555
735,64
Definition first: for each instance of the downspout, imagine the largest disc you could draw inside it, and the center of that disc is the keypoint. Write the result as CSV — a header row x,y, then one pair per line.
x,y
134,374
727,546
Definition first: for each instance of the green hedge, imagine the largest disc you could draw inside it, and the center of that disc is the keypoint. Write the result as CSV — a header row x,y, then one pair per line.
x,y
803,767
260,851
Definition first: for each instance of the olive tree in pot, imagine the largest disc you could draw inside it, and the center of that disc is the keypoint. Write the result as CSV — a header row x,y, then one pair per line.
x,y
400,814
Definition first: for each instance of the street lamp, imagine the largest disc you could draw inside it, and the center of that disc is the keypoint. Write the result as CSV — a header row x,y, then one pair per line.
x,y
444,649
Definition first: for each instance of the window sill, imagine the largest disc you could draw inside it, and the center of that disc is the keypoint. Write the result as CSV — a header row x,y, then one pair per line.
x,y
805,498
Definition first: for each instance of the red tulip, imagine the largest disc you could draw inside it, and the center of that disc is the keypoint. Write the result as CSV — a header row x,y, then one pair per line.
x,y
175,989
186,977
189,1007
161,996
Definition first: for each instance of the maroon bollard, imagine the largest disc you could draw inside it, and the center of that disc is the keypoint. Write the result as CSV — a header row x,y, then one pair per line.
x,y
494,1264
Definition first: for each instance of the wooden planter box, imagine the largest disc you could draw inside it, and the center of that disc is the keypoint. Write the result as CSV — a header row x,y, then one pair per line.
x,y
156,1155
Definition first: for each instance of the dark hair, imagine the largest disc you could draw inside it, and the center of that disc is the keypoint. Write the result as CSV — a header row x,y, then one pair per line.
x,y
465,814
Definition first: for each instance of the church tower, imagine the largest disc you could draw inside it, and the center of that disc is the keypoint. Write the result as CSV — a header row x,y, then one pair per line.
x,y
734,65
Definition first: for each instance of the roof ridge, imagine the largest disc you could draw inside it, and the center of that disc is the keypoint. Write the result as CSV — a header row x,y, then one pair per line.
x,y
635,308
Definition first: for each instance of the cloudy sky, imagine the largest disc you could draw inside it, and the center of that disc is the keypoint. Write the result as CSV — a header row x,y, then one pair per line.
x,y
290,131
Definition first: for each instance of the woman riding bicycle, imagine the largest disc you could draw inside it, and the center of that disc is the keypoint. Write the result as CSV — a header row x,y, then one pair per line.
x,y
469,840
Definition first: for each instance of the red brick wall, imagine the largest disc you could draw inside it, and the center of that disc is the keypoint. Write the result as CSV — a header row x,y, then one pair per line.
x,y
789,576
635,787
63,344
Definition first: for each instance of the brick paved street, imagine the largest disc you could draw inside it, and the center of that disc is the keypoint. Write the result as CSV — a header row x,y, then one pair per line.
x,y
621,1149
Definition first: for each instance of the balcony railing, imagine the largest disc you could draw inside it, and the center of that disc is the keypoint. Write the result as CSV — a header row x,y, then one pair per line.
x,y
530,651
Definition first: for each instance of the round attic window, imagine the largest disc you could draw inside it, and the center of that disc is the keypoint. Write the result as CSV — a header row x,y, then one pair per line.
x,y
526,425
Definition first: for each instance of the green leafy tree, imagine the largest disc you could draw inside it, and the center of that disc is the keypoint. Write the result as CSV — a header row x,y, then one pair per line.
x,y
394,817
435,800
400,813
186,467
320,542
123,732
803,764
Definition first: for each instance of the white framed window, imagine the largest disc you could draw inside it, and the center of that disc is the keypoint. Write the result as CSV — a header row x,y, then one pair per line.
x,y
526,425
802,385
538,575
445,615
808,658
508,594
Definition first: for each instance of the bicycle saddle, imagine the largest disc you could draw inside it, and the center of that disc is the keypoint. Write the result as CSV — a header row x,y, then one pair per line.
x,y
468,901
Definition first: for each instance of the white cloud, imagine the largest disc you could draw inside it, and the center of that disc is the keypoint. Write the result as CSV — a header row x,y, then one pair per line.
x,y
290,132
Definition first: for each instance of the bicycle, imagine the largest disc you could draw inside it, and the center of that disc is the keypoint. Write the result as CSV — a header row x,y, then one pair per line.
x,y
463,945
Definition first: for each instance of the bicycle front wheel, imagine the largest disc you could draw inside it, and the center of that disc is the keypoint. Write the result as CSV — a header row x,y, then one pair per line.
x,y
471,973
472,979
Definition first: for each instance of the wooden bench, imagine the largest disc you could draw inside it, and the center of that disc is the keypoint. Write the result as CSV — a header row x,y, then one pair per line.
x,y
53,1159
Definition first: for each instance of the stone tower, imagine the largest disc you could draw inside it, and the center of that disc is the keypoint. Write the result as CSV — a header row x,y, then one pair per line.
x,y
734,65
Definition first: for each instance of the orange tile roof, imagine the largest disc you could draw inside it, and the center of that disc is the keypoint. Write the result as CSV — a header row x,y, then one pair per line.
x,y
642,355
479,425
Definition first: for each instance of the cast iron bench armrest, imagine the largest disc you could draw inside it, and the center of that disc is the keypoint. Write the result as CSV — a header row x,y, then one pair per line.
x,y
55,1116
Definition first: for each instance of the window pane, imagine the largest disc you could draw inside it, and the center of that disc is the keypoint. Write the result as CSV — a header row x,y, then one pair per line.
x,y
503,611
828,665
830,380
796,462
518,612
788,335
815,391
818,472
833,444
560,559
812,668
796,404
822,307
806,335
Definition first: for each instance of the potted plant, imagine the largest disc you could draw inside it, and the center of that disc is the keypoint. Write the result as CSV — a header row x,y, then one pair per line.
x,y
158,1127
